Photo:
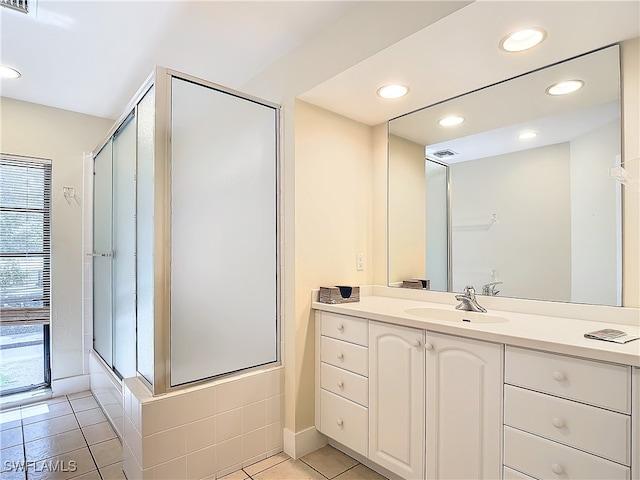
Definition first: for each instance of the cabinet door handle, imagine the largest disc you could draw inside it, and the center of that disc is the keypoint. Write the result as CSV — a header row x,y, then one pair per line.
x,y
558,376
340,384
340,356
557,422
428,346
417,343
340,422
557,469
341,328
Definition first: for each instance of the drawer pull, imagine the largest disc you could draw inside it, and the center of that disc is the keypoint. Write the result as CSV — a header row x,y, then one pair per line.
x,y
341,384
428,346
340,422
557,469
558,376
557,422
341,328
340,356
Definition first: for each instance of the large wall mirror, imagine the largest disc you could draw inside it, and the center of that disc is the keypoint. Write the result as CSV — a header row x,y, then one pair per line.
x,y
522,192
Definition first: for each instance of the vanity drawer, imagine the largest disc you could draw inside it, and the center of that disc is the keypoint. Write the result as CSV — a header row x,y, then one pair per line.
x,y
597,383
344,421
594,430
342,327
541,458
511,474
344,383
345,355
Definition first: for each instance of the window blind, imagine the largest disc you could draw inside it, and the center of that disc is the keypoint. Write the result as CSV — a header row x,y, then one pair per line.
x,y
25,240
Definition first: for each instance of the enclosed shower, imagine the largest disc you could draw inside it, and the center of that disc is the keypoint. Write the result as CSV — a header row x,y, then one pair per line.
x,y
185,245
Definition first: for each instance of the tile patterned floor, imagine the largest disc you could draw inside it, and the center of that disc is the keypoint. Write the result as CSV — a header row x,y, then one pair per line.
x,y
323,464
70,438
60,438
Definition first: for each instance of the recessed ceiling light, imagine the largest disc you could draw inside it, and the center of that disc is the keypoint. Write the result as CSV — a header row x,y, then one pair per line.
x,y
8,72
562,88
451,121
393,91
523,39
528,135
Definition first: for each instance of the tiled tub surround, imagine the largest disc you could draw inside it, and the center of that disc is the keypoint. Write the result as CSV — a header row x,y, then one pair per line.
x,y
204,431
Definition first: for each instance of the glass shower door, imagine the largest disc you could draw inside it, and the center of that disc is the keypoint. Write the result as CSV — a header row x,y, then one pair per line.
x,y
102,253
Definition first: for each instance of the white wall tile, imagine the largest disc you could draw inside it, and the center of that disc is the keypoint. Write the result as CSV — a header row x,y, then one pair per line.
x,y
164,446
254,444
163,414
275,382
201,434
201,463
201,402
173,470
229,454
228,396
129,464
228,425
132,439
275,409
253,388
254,416
275,436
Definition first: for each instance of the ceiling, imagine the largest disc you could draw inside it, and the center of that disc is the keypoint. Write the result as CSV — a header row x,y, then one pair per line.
x,y
91,56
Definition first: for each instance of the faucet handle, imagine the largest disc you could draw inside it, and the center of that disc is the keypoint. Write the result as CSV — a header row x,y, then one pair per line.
x,y
490,288
469,290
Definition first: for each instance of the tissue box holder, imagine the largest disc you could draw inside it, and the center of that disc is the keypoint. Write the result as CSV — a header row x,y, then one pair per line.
x,y
339,294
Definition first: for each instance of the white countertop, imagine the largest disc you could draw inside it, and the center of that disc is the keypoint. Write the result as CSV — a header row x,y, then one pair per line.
x,y
542,332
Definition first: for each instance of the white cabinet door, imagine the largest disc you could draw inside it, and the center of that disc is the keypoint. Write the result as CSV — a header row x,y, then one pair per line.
x,y
396,399
635,419
464,405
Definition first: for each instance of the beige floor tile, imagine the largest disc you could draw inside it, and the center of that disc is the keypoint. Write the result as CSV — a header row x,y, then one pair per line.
x,y
266,463
84,403
113,472
10,419
237,475
54,445
94,475
13,475
360,472
61,398
11,437
12,458
73,396
90,417
98,433
329,461
287,470
46,428
67,465
107,453
44,411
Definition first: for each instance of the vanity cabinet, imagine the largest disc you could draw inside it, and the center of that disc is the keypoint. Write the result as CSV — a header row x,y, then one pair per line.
x,y
342,383
464,407
566,417
396,398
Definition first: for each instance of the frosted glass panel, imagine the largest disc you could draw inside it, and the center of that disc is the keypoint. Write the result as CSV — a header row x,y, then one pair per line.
x,y
145,199
223,243
102,215
124,243
437,225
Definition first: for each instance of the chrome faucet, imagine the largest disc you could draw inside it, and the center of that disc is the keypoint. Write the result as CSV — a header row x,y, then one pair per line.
x,y
468,301
490,289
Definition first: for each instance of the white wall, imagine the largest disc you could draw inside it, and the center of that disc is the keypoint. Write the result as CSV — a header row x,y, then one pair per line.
x,y
594,277
63,136
529,246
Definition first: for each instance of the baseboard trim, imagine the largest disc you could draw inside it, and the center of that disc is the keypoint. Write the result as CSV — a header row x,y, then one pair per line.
x,y
69,385
298,444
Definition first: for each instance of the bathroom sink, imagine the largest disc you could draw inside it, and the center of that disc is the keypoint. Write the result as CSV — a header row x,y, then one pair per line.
x,y
454,315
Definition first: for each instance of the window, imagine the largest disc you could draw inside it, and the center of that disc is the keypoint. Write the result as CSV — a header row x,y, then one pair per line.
x,y
25,270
